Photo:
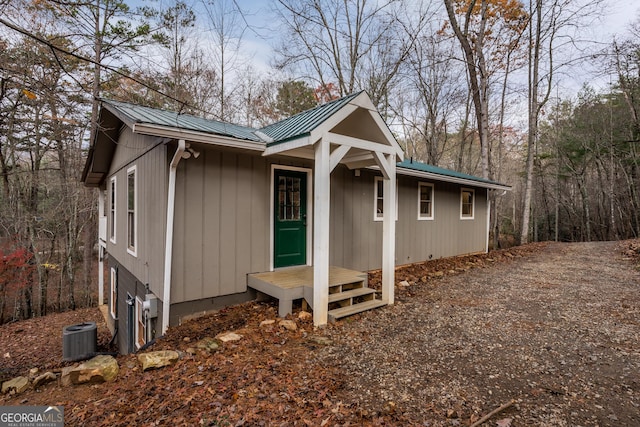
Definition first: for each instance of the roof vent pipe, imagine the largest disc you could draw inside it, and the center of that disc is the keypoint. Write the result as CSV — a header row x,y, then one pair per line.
x,y
168,245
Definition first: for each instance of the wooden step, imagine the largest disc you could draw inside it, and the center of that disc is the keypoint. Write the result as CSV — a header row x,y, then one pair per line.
x,y
336,288
353,293
338,313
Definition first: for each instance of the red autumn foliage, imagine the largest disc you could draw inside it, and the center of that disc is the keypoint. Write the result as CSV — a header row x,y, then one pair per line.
x,y
15,269
326,93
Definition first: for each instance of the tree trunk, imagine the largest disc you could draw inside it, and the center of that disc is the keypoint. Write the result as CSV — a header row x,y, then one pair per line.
x,y
478,76
532,137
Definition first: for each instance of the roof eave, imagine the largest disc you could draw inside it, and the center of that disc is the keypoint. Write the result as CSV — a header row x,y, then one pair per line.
x,y
113,109
195,136
291,144
452,179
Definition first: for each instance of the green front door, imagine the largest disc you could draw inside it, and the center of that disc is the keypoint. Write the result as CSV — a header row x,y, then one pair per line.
x,y
290,218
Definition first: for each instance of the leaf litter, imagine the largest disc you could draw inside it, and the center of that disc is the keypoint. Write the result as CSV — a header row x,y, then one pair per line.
x,y
553,327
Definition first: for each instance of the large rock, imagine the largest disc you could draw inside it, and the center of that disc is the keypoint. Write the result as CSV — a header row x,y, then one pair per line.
x,y
158,359
97,370
47,377
288,324
267,322
16,385
229,336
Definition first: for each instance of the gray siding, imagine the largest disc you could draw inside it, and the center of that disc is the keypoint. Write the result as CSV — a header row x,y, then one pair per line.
x,y
150,158
356,239
222,224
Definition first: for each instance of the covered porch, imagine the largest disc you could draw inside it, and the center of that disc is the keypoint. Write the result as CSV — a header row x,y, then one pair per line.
x,y
348,131
348,291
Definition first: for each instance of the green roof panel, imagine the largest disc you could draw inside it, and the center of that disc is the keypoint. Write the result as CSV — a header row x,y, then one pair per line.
x,y
154,116
423,167
303,123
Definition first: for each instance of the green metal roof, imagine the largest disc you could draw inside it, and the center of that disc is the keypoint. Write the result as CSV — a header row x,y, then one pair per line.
x,y
154,116
423,167
303,123
296,126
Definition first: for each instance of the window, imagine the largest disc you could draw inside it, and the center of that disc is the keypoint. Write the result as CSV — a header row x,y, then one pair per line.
x,y
141,325
379,198
112,211
113,302
425,201
131,211
466,203
378,203
289,198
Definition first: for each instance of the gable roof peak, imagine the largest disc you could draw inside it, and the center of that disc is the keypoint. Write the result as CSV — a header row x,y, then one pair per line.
x,y
303,123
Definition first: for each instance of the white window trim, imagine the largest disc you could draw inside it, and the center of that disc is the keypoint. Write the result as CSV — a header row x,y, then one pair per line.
x,y
379,179
113,199
473,203
133,250
432,215
140,312
113,290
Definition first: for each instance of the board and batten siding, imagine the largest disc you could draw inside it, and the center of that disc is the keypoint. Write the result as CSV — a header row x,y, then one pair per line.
x,y
356,239
149,156
222,223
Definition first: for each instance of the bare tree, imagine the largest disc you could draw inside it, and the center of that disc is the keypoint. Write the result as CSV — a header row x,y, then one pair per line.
x,y
430,97
475,26
175,34
227,26
356,44
552,33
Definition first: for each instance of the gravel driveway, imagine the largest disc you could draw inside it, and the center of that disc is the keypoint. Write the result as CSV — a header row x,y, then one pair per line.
x,y
557,333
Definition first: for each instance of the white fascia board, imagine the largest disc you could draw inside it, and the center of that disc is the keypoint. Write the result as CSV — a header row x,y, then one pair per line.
x,y
195,136
363,101
287,146
452,179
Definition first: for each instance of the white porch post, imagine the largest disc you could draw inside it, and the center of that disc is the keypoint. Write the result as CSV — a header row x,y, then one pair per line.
x,y
321,205
389,230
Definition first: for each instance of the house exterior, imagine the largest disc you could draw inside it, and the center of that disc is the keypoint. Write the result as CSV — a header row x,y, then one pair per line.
x,y
189,208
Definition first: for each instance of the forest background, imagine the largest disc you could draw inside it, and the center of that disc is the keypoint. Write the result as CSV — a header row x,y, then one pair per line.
x,y
524,93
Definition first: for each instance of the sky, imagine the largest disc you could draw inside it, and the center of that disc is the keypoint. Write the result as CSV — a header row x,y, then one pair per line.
x,y
617,16
259,40
620,14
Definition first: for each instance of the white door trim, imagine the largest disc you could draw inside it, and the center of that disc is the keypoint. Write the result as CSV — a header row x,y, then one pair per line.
x,y
309,237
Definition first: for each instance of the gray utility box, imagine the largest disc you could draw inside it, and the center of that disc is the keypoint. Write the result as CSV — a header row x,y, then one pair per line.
x,y
79,341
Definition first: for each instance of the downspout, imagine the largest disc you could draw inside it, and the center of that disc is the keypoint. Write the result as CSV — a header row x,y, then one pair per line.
x,y
168,244
486,248
100,247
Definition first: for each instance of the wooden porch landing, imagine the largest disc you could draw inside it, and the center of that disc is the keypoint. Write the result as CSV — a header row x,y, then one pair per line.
x,y
347,289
